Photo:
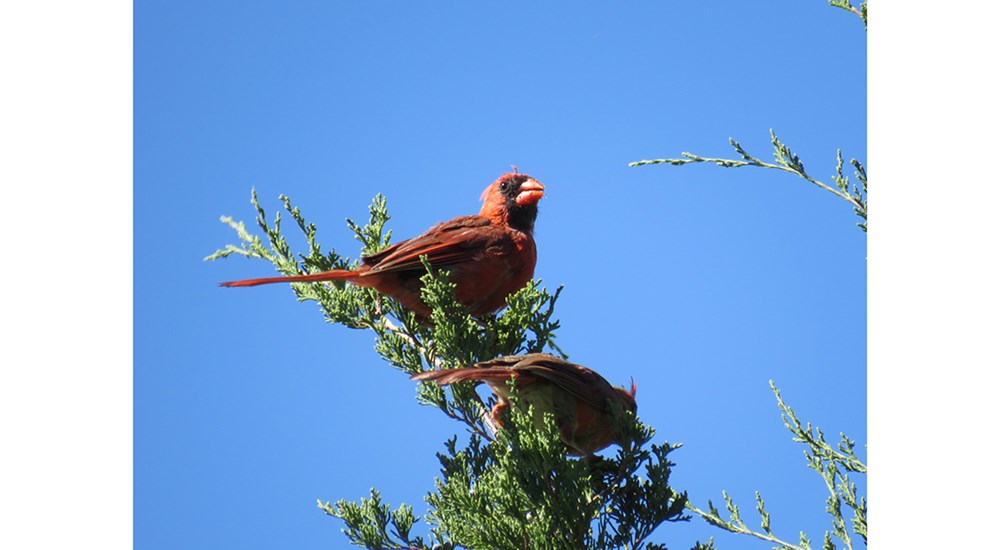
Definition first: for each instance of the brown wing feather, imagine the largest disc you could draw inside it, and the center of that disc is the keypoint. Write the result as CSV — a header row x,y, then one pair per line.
x,y
579,381
444,377
583,383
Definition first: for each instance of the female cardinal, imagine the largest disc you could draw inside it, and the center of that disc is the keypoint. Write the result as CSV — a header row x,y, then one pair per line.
x,y
578,397
488,256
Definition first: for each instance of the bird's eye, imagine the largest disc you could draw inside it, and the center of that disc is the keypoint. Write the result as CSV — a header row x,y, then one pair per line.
x,y
504,185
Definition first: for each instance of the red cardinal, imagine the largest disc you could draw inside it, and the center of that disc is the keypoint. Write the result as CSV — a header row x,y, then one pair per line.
x,y
489,256
577,396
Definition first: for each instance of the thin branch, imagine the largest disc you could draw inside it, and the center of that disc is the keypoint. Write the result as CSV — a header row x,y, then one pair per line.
x,y
690,158
861,12
786,161
740,528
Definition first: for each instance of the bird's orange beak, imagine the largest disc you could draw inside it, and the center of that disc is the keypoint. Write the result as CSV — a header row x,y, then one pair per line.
x,y
531,193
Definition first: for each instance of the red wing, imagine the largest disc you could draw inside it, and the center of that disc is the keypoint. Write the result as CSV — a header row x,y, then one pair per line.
x,y
445,244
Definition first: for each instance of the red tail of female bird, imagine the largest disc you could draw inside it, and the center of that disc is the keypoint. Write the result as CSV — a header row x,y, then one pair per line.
x,y
579,398
489,255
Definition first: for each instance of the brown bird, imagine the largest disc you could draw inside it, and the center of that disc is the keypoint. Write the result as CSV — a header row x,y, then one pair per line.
x,y
576,396
489,256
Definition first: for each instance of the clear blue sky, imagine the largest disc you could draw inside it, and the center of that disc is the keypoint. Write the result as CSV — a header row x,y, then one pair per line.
x,y
699,282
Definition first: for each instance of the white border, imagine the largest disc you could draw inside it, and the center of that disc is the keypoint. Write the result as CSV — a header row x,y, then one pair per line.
x,y
66,181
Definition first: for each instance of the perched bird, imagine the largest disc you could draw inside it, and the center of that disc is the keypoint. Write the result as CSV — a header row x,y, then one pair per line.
x,y
578,397
489,256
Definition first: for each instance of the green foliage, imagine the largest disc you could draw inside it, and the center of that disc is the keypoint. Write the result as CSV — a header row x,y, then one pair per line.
x,y
833,465
341,303
861,11
372,525
519,491
507,488
522,491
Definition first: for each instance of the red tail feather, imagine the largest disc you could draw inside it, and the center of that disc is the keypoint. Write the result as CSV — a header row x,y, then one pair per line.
x,y
335,275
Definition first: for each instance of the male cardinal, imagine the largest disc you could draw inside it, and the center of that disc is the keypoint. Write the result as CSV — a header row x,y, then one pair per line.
x,y
488,256
578,397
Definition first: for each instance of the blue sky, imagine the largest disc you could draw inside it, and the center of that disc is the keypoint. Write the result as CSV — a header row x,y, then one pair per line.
x,y
701,283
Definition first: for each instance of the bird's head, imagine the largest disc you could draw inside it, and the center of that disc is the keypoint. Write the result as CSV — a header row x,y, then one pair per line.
x,y
513,200
628,398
